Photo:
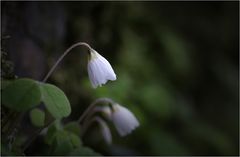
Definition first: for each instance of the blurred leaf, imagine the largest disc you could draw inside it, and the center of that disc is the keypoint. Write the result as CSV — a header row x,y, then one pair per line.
x,y
65,142
62,148
52,129
73,127
21,94
37,117
55,100
84,151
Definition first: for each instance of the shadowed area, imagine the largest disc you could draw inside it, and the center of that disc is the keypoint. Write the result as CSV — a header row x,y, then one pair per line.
x,y
177,67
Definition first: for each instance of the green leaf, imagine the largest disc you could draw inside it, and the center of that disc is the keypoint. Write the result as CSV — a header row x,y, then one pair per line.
x,y
37,117
66,136
21,94
73,127
84,151
55,100
52,129
75,140
65,142
61,147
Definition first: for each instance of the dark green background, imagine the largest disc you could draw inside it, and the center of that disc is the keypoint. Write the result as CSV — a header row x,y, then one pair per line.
x,y
176,65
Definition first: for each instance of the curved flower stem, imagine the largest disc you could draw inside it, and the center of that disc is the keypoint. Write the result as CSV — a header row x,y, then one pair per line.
x,y
89,109
62,56
86,126
34,136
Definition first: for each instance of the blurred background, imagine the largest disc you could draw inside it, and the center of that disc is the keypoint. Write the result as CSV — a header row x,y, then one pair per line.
x,y
176,64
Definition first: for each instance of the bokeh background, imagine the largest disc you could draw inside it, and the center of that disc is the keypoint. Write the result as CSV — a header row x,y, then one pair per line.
x,y
177,66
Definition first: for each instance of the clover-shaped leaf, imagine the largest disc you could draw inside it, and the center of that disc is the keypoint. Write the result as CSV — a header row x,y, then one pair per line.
x,y
21,94
55,100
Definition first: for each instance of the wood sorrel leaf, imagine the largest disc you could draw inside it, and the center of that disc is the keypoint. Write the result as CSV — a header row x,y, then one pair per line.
x,y
37,117
21,94
52,129
65,142
55,100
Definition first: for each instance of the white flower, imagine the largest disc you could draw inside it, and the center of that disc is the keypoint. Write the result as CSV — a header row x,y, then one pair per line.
x,y
124,120
105,110
105,130
99,70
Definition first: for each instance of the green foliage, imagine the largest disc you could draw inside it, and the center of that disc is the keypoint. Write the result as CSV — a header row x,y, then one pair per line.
x,y
52,129
176,66
55,100
73,127
37,117
21,94
64,142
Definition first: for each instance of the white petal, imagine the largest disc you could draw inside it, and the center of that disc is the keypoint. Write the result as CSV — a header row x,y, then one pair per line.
x,y
99,70
109,71
124,120
92,74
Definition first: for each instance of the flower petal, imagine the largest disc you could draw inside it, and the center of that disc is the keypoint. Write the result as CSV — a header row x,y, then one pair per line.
x,y
124,120
99,70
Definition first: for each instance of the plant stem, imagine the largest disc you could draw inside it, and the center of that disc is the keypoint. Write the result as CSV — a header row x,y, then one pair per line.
x,y
88,123
62,56
88,110
34,136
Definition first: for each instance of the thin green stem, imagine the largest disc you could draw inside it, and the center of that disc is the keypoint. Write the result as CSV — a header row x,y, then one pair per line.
x,y
34,136
62,56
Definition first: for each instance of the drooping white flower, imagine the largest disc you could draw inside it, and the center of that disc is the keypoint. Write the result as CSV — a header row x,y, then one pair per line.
x,y
105,130
105,110
124,120
99,69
